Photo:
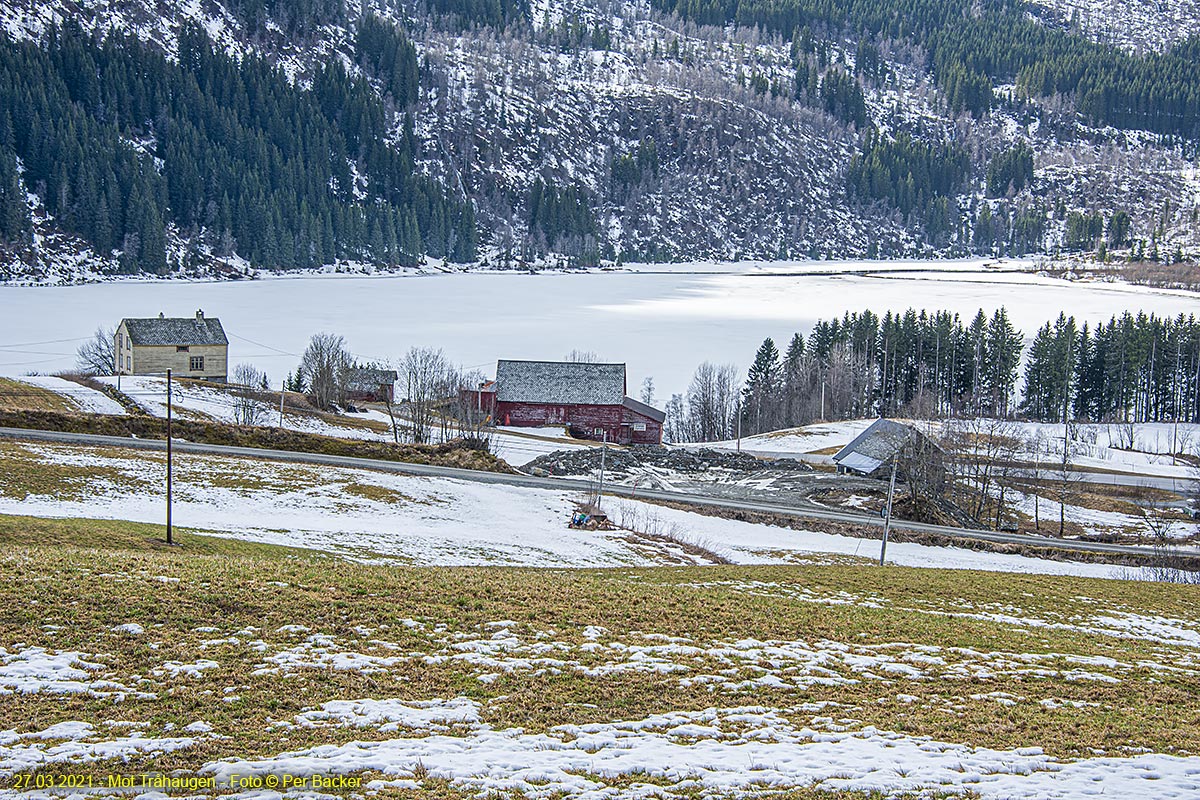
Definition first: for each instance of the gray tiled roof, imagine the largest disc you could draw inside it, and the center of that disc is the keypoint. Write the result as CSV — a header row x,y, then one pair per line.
x,y
175,331
560,382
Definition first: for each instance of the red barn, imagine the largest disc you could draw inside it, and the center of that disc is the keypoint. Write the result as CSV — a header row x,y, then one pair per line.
x,y
587,398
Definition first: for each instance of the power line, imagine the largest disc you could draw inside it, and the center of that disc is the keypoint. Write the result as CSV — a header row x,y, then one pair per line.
x,y
269,347
35,344
26,363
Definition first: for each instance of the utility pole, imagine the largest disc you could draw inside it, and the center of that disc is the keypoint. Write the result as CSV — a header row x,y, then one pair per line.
x,y
282,391
169,456
1176,401
739,425
603,451
887,519
822,400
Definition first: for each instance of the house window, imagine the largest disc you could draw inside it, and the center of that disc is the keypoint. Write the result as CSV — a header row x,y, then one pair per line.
x,y
181,348
639,426
120,341
196,363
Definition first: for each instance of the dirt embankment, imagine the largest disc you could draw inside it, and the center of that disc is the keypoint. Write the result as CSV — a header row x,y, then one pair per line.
x,y
456,453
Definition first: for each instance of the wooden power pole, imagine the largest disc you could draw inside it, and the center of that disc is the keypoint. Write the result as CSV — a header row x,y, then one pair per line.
x,y
887,519
169,457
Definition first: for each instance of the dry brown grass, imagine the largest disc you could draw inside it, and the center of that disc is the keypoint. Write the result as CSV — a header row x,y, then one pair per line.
x,y
450,454
18,396
82,578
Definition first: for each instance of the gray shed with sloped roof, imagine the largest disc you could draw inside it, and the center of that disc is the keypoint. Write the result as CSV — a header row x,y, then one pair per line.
x,y
876,446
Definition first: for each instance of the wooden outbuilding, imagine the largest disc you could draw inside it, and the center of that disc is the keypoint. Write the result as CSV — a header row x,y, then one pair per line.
x,y
371,384
588,399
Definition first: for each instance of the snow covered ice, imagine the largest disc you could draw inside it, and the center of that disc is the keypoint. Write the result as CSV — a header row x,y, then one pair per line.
x,y
719,317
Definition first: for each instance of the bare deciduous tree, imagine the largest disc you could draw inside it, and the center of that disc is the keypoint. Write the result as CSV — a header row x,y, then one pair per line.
x,y
97,356
249,408
711,403
326,365
984,453
647,394
425,375
1168,564
472,420
583,357
1039,447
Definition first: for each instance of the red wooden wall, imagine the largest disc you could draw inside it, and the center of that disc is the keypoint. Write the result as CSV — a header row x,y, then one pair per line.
x,y
585,421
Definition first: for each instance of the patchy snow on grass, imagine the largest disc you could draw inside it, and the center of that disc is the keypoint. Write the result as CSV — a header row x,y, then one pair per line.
x,y
725,750
391,715
220,403
35,670
25,752
357,514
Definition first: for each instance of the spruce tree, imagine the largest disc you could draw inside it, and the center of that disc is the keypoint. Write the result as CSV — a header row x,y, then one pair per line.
x,y
761,395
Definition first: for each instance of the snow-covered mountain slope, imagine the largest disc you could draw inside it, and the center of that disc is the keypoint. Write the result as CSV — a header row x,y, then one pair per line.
x,y
741,168
1136,25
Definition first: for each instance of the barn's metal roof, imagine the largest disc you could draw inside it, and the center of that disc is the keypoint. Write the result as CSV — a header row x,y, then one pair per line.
x,y
178,331
560,382
875,446
645,410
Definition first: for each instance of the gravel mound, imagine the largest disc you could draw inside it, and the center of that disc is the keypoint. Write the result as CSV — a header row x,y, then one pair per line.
x,y
676,459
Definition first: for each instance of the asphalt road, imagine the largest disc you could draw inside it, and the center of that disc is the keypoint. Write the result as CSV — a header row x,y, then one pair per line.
x,y
561,484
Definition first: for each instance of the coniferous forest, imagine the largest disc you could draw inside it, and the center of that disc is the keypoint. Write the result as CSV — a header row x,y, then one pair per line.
x,y
328,133
972,48
1134,368
120,141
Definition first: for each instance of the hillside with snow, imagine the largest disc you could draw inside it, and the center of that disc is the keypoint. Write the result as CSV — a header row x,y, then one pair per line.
x,y
589,130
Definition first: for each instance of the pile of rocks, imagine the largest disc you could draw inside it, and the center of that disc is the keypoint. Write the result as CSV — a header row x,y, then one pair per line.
x,y
676,459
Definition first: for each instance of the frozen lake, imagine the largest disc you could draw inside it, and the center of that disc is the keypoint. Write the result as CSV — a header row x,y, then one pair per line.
x,y
661,324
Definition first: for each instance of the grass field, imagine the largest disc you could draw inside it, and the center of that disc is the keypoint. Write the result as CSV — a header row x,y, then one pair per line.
x,y
122,655
17,396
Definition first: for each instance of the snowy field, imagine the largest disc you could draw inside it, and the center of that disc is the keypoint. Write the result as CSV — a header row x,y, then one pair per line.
x,y
661,323
213,402
370,516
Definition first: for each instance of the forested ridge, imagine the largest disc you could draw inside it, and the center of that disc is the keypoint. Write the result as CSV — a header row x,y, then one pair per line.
x,y
257,164
326,133
973,47
1136,367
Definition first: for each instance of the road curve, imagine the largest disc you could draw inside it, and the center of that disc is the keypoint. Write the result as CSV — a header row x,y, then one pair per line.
x,y
562,484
